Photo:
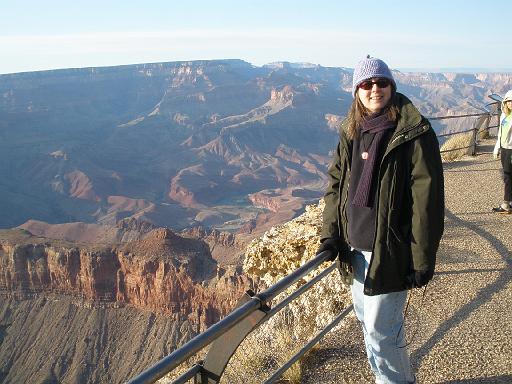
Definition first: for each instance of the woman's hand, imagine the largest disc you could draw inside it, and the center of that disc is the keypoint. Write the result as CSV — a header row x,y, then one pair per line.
x,y
331,244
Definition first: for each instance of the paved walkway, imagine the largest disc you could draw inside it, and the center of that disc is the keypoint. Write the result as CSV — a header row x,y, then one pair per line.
x,y
466,316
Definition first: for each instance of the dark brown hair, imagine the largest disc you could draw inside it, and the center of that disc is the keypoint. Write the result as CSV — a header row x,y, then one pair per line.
x,y
358,113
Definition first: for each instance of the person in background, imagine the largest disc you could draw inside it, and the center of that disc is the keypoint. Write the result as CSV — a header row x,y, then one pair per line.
x,y
384,212
504,145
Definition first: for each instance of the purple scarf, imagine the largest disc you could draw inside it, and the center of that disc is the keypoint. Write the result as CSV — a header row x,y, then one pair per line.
x,y
376,125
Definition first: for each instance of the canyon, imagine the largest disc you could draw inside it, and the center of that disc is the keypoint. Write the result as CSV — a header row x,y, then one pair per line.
x,y
221,144
133,199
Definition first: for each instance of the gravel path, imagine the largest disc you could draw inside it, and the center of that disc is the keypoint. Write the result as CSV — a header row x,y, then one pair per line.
x,y
466,315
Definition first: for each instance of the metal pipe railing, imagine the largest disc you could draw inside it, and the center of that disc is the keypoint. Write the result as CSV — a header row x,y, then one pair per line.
x,y
185,377
301,290
456,133
475,130
176,358
277,374
457,116
189,349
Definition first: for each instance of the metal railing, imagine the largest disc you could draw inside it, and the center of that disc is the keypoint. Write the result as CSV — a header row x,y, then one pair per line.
x,y
253,310
480,126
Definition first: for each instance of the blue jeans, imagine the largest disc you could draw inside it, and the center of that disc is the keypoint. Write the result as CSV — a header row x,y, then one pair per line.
x,y
382,320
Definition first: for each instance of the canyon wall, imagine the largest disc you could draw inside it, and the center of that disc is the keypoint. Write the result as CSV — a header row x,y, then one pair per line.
x,y
162,273
101,313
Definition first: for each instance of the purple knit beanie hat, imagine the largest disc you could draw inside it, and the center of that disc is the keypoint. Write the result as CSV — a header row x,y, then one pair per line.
x,y
369,68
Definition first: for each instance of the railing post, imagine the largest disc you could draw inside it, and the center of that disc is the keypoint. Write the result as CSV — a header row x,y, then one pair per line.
x,y
224,347
475,139
480,125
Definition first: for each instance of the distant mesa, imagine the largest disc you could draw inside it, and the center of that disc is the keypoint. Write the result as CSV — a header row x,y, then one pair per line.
x,y
286,64
85,233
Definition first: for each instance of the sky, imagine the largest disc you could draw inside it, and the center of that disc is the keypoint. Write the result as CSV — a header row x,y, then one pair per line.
x,y
463,34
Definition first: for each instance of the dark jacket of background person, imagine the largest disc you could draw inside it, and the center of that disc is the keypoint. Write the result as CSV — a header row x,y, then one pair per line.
x,y
409,204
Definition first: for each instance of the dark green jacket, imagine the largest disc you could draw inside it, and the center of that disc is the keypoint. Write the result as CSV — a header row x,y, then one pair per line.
x,y
410,203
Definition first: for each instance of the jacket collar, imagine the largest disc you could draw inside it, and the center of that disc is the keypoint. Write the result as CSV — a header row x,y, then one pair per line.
x,y
409,115
410,124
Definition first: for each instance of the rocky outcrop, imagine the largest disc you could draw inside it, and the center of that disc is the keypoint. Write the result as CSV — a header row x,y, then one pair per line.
x,y
277,253
333,121
226,248
283,249
180,192
81,186
283,97
212,236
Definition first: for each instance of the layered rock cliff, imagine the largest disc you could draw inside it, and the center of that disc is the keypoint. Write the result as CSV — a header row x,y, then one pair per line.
x,y
162,273
171,280
100,313
226,248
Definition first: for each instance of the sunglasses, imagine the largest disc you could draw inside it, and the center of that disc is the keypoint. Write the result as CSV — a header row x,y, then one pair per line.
x,y
368,84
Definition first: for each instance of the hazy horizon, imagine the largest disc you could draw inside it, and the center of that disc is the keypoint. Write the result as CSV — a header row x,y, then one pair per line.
x,y
462,70
58,34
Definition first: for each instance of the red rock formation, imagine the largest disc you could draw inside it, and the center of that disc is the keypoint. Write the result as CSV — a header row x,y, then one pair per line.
x,y
225,248
211,236
266,199
123,203
163,273
178,192
81,186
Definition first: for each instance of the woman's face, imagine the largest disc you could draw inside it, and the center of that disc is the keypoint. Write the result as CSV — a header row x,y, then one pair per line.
x,y
509,104
374,93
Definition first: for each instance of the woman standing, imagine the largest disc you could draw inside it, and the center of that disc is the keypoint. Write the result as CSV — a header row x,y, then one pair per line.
x,y
384,212
504,145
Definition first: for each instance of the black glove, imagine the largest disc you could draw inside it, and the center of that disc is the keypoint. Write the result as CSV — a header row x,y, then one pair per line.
x,y
418,279
332,244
